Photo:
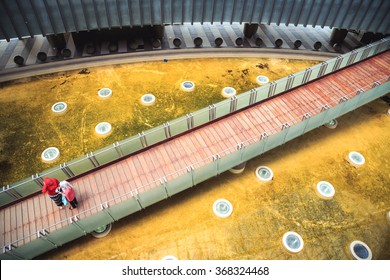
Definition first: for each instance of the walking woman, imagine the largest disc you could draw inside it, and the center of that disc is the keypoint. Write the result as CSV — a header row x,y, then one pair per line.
x,y
66,189
50,185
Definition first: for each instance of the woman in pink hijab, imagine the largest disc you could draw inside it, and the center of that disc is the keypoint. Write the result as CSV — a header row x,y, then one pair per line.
x,y
50,185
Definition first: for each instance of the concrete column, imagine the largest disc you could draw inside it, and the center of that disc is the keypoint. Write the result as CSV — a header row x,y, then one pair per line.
x,y
250,29
369,37
338,35
239,168
158,31
57,41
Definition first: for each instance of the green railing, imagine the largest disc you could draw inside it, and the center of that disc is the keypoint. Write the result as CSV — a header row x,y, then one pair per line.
x,y
161,188
117,150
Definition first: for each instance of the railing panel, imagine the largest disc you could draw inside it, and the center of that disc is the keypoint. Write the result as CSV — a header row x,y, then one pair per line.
x,y
178,126
80,165
201,117
373,49
34,248
106,155
204,172
298,79
124,208
359,54
130,145
344,62
9,256
222,108
331,65
26,187
54,172
6,198
252,150
314,72
351,103
152,196
181,183
229,160
276,139
316,120
373,93
296,130
262,93
93,222
333,112
64,235
243,100
281,85
155,135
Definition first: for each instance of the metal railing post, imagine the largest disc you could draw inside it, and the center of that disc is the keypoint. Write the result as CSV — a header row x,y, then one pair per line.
x,y
190,121
286,128
233,103
105,208
142,138
167,130
253,96
92,159
12,192
337,64
67,171
216,159
42,235
37,179
212,111
290,81
324,64
190,169
305,119
118,149
271,89
306,76
352,57
366,51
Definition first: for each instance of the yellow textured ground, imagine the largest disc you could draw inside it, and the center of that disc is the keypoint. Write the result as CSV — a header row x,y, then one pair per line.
x,y
28,126
186,227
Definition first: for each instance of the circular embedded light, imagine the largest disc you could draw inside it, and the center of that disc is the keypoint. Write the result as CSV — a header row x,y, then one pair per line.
x,y
50,154
264,173
360,250
105,93
222,208
325,190
331,124
169,258
228,92
102,231
103,128
262,80
187,86
293,242
148,99
59,107
356,159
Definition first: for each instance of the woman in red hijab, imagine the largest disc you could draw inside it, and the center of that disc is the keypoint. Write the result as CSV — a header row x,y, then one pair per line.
x,y
50,185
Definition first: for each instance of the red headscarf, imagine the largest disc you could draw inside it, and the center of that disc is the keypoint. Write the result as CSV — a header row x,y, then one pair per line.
x,y
50,185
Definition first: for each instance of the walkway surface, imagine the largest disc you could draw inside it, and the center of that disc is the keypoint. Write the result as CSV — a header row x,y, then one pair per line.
x,y
29,48
120,181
